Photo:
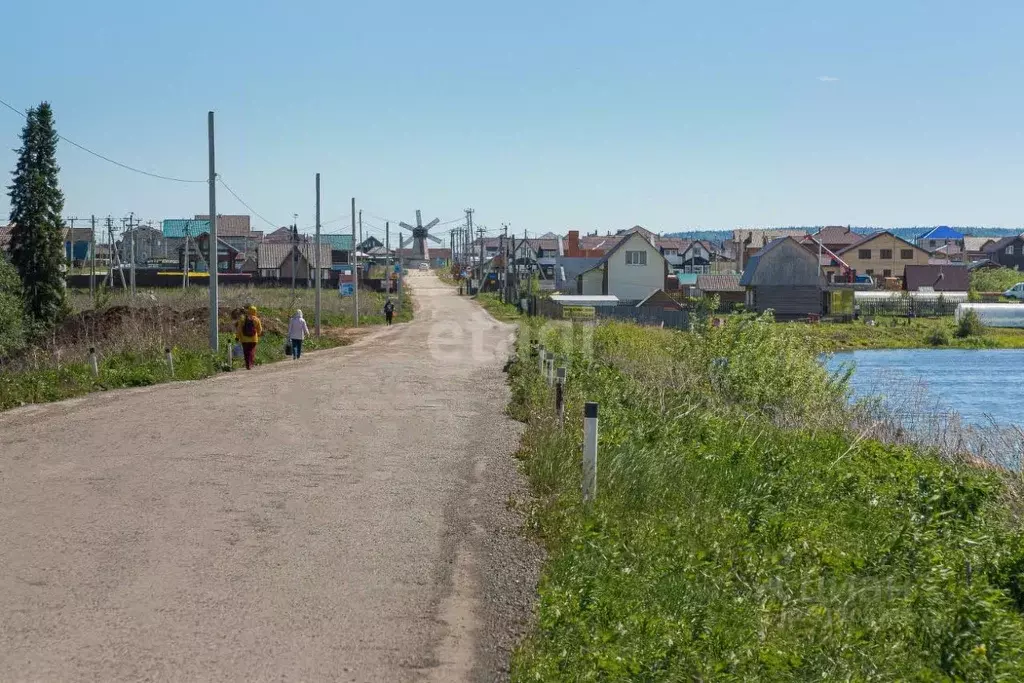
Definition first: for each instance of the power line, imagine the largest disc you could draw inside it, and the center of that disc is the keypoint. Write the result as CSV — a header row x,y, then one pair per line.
x,y
106,158
242,201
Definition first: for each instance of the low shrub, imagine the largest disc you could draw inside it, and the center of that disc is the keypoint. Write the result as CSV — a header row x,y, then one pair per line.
x,y
938,336
970,325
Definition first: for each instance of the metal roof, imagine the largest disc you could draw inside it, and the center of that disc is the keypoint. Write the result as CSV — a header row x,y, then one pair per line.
x,y
943,232
585,300
337,241
272,255
719,283
175,227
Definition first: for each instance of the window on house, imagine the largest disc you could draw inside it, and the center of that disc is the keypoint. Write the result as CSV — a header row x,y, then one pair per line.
x,y
886,273
869,271
1009,250
931,243
864,254
907,254
636,258
885,255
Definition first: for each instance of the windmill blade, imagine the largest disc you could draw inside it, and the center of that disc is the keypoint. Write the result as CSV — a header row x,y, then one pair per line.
x,y
419,221
435,239
401,242
406,226
432,223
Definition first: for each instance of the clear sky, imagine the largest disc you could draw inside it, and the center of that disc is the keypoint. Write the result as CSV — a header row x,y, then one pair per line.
x,y
545,115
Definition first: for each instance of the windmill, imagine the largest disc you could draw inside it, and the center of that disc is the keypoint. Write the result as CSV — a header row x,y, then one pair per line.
x,y
420,235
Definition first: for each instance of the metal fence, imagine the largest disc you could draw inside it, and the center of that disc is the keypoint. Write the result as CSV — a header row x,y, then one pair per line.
x,y
907,306
653,317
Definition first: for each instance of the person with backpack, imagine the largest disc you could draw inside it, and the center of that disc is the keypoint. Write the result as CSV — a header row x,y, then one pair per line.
x,y
389,310
297,331
248,332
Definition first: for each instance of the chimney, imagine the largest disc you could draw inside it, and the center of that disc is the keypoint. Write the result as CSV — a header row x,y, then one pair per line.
x,y
573,243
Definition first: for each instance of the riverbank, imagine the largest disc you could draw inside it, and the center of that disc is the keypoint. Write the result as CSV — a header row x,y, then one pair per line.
x,y
903,333
742,531
130,339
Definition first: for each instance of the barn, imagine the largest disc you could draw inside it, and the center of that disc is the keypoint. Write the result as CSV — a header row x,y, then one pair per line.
x,y
786,278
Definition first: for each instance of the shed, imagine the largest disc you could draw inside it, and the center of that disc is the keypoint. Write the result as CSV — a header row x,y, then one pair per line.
x,y
660,299
726,287
585,299
786,278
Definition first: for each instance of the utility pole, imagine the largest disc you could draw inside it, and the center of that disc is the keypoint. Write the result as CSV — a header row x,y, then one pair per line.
x,y
354,258
387,254
316,255
480,234
501,251
214,341
184,273
360,245
295,255
71,242
92,256
131,231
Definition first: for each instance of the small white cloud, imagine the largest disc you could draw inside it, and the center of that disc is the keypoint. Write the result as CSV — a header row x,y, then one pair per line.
x,y
827,79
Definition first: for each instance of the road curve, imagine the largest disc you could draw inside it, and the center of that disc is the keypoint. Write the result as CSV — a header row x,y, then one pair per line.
x,y
342,517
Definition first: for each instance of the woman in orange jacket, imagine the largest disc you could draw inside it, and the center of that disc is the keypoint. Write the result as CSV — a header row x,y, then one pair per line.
x,y
248,330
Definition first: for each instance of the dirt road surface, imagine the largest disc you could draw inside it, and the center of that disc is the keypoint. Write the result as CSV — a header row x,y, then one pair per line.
x,y
342,517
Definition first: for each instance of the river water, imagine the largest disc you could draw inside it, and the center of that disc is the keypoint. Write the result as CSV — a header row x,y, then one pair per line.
x,y
981,385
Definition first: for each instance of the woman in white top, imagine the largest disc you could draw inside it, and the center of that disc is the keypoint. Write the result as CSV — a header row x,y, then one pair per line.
x,y
297,331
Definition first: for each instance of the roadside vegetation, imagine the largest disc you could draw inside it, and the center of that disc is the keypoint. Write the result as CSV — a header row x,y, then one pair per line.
x,y
492,303
750,524
130,337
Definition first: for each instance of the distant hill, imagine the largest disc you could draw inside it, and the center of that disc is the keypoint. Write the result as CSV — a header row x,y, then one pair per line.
x,y
909,234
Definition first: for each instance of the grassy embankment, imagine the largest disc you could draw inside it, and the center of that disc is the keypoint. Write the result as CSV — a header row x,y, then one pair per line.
x,y
492,303
903,333
743,531
130,339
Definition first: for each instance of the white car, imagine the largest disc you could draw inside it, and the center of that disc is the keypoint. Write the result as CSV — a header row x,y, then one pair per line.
x,y
1015,292
424,266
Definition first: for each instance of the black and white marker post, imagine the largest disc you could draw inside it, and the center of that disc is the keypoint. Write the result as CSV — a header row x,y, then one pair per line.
x,y
589,452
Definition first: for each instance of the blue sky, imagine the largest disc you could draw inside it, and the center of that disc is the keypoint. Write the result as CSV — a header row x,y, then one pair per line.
x,y
547,116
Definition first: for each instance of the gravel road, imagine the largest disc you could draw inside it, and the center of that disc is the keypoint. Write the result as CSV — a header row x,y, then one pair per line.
x,y
342,517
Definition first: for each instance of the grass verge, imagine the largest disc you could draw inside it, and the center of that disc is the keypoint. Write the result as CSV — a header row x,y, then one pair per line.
x,y
743,532
903,333
493,304
130,341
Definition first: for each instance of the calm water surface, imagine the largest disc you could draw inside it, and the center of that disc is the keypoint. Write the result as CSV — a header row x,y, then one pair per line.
x,y
978,385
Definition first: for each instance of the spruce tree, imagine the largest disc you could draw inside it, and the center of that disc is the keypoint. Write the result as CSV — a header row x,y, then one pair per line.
x,y
37,238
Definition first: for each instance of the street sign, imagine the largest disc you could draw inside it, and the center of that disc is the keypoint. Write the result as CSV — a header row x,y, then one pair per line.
x,y
346,289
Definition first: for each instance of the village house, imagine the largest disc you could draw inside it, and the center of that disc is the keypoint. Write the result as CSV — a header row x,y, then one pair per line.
x,y
784,277
974,247
149,244
746,242
1007,252
835,238
882,255
631,270
279,260
950,241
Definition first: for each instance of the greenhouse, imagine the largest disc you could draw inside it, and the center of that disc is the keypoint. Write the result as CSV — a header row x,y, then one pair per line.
x,y
995,315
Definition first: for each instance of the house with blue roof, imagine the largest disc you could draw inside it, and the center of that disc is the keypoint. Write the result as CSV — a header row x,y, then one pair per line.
x,y
947,239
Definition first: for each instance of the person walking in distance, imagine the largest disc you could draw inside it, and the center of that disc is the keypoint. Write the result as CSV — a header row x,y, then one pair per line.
x,y
389,310
248,332
297,331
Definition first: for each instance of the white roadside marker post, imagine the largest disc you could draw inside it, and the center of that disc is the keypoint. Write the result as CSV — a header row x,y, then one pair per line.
x,y
170,360
589,452
93,362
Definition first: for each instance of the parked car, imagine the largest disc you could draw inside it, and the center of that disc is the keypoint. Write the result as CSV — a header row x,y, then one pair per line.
x,y
424,266
865,280
1015,292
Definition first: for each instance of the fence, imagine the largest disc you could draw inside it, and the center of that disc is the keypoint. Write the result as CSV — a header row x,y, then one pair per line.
x,y
654,317
910,306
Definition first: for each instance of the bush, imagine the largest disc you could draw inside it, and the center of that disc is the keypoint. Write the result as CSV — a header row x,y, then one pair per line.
x,y
970,325
938,336
12,311
995,279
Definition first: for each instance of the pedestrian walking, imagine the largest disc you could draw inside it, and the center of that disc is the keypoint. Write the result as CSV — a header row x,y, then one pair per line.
x,y
297,331
389,310
248,331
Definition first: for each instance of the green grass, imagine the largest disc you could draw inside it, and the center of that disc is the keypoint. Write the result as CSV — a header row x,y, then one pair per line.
x,y
131,354
492,303
743,533
903,333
